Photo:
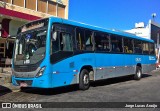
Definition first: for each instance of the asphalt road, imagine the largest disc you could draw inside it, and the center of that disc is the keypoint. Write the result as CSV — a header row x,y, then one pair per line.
x,y
123,89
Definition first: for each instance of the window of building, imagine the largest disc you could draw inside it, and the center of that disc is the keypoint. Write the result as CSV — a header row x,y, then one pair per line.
x,y
137,47
61,11
31,4
128,45
102,42
145,48
52,8
116,43
7,1
18,2
42,5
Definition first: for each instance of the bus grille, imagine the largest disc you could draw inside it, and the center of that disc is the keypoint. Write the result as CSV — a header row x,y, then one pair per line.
x,y
26,69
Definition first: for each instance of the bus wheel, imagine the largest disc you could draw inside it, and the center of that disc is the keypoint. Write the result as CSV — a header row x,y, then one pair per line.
x,y
138,73
84,80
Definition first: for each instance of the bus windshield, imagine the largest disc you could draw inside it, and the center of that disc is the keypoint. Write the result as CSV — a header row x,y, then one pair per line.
x,y
30,47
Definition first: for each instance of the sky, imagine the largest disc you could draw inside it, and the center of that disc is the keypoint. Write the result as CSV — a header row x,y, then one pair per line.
x,y
114,14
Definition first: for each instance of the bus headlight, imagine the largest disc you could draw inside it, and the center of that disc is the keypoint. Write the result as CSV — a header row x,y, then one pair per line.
x,y
40,73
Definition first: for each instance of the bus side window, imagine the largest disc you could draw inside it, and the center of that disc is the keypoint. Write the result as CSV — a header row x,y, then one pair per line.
x,y
65,42
151,49
80,39
61,42
89,40
116,43
137,47
128,45
145,48
102,42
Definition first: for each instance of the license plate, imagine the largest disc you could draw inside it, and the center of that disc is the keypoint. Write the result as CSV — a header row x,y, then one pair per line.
x,y
23,84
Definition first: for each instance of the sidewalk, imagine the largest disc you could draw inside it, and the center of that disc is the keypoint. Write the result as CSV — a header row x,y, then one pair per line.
x,y
5,82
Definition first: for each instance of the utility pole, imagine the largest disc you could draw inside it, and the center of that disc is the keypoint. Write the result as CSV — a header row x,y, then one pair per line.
x,y
154,16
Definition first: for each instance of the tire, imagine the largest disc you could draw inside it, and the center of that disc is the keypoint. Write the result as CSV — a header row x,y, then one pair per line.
x,y
22,89
84,80
138,73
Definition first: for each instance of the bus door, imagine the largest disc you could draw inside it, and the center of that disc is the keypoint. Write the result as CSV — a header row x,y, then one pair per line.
x,y
62,51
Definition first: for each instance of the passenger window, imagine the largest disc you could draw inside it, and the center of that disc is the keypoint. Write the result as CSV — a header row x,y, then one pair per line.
x,y
116,43
145,48
80,39
137,47
61,42
89,40
128,45
102,42
151,49
84,39
65,42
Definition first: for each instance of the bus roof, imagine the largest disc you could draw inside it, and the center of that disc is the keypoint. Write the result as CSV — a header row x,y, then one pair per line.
x,y
113,31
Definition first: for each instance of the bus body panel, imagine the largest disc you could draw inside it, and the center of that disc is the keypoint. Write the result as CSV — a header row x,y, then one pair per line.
x,y
115,65
67,71
105,65
41,82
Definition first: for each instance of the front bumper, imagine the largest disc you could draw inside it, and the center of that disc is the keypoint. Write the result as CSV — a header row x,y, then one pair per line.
x,y
40,82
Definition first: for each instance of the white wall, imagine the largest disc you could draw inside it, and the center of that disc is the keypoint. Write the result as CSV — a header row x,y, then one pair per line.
x,y
142,32
14,25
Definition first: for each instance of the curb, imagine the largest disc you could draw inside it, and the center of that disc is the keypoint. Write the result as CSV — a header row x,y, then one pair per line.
x,y
5,83
5,78
8,88
157,70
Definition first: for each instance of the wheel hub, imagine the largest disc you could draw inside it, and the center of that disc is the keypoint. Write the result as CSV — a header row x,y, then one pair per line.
x,y
139,74
86,79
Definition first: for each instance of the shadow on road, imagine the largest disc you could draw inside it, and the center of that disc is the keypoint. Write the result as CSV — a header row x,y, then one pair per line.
x,y
4,90
146,75
72,88
50,91
116,80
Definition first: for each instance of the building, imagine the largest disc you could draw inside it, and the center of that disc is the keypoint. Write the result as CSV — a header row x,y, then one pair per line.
x,y
15,13
140,30
150,31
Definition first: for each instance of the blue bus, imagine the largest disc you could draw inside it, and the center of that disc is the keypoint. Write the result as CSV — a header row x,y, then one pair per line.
x,y
55,52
